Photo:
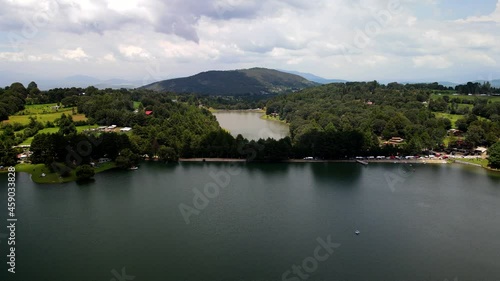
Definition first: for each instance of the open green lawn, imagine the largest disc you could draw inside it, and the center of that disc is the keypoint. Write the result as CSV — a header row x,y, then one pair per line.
x,y
482,162
36,171
136,104
79,129
453,117
43,113
469,106
24,119
467,97
34,109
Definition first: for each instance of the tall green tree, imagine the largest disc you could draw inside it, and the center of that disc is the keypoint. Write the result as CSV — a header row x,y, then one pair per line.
x,y
66,125
494,156
84,172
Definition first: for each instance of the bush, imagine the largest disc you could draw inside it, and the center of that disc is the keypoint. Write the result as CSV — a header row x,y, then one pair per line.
x,y
84,172
494,156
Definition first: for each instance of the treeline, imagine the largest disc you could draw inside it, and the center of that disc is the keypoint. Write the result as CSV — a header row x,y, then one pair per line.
x,y
480,106
347,119
65,152
334,121
12,99
242,102
476,88
174,129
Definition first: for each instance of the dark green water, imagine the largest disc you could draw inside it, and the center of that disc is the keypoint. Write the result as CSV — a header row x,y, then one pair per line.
x,y
433,223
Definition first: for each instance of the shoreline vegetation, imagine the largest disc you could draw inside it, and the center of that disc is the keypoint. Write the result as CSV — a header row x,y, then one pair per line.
x,y
333,121
41,174
36,170
235,160
273,118
214,110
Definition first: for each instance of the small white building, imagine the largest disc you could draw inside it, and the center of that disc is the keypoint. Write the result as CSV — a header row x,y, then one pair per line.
x,y
104,160
125,129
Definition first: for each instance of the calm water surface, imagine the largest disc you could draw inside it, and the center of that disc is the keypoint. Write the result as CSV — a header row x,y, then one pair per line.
x,y
250,125
434,222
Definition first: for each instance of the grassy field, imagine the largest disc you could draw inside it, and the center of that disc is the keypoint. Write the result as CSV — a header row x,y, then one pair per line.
x,y
24,119
453,117
271,118
36,170
34,109
482,162
466,97
55,130
43,113
136,104
469,106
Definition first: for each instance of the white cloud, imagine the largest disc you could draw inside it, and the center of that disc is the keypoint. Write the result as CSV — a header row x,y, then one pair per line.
x,y
132,52
110,57
493,17
438,62
76,54
122,38
12,56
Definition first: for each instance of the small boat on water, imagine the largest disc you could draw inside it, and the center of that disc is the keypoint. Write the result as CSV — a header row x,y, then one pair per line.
x,y
362,162
133,168
357,232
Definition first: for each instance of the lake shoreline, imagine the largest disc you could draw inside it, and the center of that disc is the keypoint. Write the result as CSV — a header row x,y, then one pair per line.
x,y
236,160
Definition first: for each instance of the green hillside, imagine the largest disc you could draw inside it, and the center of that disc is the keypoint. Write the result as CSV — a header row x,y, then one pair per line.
x,y
254,81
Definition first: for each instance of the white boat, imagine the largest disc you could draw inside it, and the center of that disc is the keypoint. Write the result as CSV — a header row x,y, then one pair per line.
x,y
133,168
357,232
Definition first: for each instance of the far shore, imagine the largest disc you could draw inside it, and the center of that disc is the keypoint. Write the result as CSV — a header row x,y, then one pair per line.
x,y
36,170
214,110
409,161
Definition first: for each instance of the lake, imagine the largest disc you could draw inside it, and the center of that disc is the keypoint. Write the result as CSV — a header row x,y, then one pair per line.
x,y
259,222
250,125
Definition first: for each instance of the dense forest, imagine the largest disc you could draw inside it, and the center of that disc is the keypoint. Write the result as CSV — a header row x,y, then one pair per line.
x,y
254,81
341,120
334,121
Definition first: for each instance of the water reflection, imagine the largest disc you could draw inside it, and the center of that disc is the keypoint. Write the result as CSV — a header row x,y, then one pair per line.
x,y
250,125
343,173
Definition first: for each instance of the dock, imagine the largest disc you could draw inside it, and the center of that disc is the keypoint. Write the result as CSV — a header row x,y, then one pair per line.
x,y
362,162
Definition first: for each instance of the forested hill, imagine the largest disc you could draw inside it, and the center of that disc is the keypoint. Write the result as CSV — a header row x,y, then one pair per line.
x,y
254,81
337,120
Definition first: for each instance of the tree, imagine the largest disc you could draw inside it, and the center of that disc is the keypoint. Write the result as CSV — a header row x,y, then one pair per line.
x,y
66,125
167,154
475,135
126,159
84,172
494,156
32,85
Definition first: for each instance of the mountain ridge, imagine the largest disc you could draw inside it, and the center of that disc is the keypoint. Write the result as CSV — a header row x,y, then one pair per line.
x,y
252,81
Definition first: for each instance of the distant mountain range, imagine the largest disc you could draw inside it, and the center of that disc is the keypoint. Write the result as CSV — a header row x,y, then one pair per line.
x,y
254,81
79,81
84,81
315,78
494,83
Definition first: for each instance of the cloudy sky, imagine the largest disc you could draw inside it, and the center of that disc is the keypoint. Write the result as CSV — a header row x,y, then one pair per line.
x,y
150,40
